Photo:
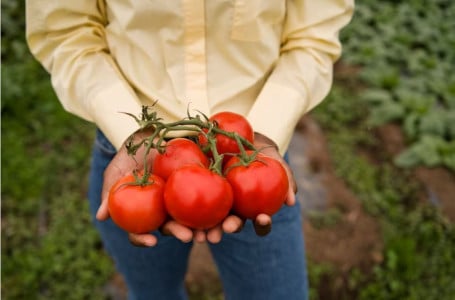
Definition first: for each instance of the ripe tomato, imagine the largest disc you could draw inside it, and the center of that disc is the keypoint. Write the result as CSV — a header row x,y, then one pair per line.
x,y
231,122
260,187
197,197
136,208
178,152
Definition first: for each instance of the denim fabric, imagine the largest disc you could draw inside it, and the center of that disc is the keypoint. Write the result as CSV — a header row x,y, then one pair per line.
x,y
251,267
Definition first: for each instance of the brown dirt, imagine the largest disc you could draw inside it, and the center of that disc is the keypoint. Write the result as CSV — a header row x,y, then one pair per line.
x,y
439,183
202,277
355,241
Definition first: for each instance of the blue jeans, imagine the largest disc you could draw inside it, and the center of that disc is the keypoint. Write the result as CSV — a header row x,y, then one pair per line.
x,y
251,267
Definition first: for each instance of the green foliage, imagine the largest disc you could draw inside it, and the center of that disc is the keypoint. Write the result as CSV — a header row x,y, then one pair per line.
x,y
419,243
316,275
406,51
48,239
418,260
324,219
429,149
13,29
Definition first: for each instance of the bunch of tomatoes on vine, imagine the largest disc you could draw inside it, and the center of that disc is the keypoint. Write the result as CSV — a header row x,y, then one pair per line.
x,y
197,180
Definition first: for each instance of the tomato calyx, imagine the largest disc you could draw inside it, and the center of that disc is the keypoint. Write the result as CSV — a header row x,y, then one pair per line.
x,y
245,159
140,179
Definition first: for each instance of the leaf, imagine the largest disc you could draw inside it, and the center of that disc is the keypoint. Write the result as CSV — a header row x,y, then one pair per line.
x,y
376,96
449,161
423,151
414,100
410,125
450,124
386,112
408,158
433,123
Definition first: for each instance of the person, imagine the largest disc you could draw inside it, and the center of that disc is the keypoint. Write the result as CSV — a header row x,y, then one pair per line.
x,y
270,61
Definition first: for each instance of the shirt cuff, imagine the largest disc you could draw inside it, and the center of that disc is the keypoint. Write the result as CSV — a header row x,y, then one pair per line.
x,y
108,108
276,113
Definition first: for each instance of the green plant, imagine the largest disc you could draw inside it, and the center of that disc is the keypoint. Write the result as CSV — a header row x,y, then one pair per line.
x,y
46,229
418,260
407,62
419,242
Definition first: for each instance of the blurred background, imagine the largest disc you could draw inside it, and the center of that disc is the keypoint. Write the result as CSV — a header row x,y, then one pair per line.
x,y
375,165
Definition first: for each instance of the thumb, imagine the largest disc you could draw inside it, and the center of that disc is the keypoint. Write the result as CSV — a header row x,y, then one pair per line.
x,y
103,211
290,199
111,175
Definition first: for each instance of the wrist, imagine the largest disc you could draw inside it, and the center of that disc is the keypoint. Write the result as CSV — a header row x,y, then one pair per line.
x,y
262,140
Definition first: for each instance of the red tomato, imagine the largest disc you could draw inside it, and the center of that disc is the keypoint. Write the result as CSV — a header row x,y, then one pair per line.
x,y
231,122
197,197
260,187
137,208
179,152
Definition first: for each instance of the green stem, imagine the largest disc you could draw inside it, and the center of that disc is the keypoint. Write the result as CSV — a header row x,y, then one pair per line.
x,y
191,124
217,164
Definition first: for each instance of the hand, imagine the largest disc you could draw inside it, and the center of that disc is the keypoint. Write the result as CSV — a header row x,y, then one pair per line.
x,y
213,235
268,147
123,164
263,223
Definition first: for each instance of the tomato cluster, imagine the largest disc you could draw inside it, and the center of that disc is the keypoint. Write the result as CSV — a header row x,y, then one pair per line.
x,y
185,185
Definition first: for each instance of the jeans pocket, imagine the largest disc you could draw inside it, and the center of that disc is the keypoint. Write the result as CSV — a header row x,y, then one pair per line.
x,y
103,144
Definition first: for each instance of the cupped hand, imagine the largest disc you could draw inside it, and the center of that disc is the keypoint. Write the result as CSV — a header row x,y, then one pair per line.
x,y
263,222
123,164
268,147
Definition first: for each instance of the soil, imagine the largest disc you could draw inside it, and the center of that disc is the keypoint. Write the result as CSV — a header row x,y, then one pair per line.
x,y
439,183
353,241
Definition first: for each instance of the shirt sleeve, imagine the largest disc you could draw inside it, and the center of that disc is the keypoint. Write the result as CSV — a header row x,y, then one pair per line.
x,y
68,38
303,74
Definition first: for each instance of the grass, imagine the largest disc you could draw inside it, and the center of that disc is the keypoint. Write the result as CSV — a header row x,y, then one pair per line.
x,y
46,228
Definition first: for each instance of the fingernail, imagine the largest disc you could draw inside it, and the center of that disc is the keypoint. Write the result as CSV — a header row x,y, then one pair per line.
x,y
149,243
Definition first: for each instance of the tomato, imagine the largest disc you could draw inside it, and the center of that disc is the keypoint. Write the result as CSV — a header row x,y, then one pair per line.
x,y
178,152
137,208
197,197
259,188
231,122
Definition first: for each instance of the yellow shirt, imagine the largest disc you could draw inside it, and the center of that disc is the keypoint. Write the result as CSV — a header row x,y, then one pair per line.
x,y
270,60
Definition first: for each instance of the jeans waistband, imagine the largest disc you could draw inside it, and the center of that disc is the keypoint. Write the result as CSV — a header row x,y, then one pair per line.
x,y
103,144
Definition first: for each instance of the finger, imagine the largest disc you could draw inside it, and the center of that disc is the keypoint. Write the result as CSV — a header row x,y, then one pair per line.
x,y
215,234
177,230
199,236
262,224
290,200
111,174
103,211
232,224
142,240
